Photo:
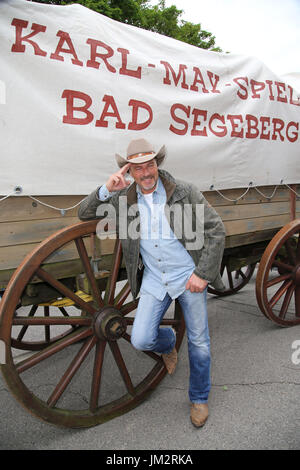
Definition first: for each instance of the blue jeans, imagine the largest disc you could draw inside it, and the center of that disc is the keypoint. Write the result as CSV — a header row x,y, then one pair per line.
x,y
147,335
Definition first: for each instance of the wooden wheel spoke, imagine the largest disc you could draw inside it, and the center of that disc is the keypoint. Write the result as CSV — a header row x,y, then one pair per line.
x,y
122,367
230,280
63,311
282,266
112,280
97,372
47,321
278,279
298,249
223,264
240,272
297,301
286,301
65,291
53,349
122,296
125,309
24,328
88,270
71,371
284,287
65,314
47,324
290,251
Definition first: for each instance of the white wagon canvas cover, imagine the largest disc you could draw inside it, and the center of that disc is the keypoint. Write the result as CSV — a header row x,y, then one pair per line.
x,y
76,87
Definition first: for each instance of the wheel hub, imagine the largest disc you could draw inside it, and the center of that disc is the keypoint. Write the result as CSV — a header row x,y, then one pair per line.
x,y
109,324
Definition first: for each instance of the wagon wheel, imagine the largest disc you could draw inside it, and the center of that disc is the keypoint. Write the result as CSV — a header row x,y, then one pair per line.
x,y
233,280
80,389
275,290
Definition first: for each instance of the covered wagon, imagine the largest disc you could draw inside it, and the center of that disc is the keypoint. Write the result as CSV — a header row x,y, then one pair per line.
x,y
75,87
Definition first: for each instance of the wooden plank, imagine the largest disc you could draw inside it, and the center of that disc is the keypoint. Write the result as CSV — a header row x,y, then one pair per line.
x,y
35,231
17,208
235,227
240,212
60,270
244,239
12,256
31,231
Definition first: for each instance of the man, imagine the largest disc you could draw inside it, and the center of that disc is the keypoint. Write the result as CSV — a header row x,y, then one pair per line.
x,y
172,266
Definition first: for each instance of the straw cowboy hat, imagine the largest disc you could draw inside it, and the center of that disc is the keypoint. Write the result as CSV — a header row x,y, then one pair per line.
x,y
141,151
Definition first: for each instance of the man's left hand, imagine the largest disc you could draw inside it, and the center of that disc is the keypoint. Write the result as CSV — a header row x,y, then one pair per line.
x,y
196,284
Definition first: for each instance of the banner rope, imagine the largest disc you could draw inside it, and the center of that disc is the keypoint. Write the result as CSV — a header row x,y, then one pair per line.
x,y
250,186
8,195
256,188
227,198
63,211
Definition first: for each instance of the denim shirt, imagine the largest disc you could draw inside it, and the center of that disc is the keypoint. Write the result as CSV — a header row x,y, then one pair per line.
x,y
168,265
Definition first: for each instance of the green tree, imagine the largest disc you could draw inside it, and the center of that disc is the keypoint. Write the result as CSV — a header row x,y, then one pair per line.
x,y
157,18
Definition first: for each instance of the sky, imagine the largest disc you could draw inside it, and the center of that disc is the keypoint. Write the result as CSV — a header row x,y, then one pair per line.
x,y
266,29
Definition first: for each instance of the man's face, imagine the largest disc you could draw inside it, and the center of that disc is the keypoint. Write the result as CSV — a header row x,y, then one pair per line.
x,y
145,175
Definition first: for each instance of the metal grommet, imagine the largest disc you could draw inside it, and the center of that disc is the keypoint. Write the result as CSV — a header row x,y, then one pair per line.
x,y
18,189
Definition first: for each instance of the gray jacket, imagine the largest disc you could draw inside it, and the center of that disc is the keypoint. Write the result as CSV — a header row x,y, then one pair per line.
x,y
207,259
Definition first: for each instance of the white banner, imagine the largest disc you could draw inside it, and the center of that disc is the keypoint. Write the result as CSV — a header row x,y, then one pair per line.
x,y
76,87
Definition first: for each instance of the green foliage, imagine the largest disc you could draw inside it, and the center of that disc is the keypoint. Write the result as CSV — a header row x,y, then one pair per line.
x,y
157,18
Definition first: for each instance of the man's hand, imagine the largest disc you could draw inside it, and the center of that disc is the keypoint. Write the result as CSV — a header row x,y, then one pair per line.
x,y
196,284
117,180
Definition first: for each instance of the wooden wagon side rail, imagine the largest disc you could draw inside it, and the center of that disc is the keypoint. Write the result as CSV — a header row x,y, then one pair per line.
x,y
254,218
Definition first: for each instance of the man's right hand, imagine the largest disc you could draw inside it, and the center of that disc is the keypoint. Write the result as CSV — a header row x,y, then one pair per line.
x,y
117,180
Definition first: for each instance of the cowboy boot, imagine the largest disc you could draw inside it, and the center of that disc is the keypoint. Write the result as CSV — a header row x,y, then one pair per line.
x,y
170,360
199,414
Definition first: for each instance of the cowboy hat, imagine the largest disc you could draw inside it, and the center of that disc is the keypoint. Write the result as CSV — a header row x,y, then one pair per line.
x,y
141,151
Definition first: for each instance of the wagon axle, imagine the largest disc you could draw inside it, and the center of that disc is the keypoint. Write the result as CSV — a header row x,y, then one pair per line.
x,y
109,324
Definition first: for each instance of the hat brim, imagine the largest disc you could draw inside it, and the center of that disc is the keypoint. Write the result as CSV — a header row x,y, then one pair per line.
x,y
160,156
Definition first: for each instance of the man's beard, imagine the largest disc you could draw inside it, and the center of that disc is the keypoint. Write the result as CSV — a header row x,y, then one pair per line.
x,y
150,185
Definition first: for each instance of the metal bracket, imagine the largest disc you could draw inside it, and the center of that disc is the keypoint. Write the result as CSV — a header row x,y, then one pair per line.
x,y
94,264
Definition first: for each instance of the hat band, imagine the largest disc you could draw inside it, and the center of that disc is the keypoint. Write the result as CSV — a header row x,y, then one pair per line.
x,y
136,155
